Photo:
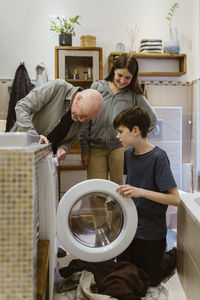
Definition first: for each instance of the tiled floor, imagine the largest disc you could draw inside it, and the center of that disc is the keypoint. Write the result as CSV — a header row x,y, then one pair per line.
x,y
173,285
175,289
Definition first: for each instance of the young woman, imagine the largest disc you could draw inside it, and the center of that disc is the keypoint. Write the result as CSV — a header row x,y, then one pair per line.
x,y
102,154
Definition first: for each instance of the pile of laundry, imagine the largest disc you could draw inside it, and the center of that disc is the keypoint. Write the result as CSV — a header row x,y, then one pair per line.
x,y
104,281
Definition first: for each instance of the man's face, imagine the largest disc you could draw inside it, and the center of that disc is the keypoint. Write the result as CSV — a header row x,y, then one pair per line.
x,y
79,111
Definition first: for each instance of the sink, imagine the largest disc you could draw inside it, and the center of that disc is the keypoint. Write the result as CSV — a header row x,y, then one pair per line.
x,y
17,139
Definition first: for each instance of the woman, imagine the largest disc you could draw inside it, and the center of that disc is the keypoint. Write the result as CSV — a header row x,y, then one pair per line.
x,y
101,152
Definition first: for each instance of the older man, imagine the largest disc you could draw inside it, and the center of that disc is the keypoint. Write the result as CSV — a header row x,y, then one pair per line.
x,y
56,111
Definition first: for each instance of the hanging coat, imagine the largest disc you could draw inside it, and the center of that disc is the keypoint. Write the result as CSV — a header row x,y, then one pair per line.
x,y
41,75
20,88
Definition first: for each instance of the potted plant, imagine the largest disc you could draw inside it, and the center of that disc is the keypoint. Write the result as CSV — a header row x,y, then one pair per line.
x,y
172,46
65,28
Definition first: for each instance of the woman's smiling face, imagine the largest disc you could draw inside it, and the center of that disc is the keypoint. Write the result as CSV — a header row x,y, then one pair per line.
x,y
122,78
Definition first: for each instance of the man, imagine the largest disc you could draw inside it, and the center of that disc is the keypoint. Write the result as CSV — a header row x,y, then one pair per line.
x,y
56,111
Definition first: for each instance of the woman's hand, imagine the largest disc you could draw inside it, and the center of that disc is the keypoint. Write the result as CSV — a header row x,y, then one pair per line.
x,y
127,191
61,153
43,140
85,160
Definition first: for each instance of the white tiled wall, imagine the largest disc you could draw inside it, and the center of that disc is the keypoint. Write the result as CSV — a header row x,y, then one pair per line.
x,y
195,136
175,95
171,138
187,96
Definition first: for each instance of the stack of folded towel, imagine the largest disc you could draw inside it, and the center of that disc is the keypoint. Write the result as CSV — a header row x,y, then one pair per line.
x,y
150,45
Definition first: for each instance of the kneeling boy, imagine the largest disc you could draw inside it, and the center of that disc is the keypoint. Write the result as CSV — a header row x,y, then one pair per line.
x,y
152,187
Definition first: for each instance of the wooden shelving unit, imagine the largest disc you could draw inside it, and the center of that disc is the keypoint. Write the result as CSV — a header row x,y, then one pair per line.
x,y
180,58
80,59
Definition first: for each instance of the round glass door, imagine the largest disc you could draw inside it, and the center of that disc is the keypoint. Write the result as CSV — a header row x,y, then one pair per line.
x,y
95,223
96,219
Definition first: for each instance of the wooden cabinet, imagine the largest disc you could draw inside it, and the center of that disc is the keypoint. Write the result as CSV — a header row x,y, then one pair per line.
x,y
156,64
78,65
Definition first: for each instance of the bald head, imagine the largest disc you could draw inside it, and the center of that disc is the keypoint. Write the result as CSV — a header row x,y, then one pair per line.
x,y
86,105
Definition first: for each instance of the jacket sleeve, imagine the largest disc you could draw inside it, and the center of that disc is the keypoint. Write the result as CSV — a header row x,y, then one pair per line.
x,y
84,138
32,103
142,102
85,130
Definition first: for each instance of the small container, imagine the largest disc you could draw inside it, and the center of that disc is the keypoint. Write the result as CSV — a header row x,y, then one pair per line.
x,y
85,75
75,74
88,41
89,72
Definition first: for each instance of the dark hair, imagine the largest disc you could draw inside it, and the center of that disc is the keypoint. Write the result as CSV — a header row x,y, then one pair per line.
x,y
133,116
129,62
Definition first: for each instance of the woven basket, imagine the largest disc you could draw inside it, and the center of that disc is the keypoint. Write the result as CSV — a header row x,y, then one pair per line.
x,y
88,41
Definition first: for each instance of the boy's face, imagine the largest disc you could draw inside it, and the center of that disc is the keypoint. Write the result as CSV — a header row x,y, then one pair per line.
x,y
125,136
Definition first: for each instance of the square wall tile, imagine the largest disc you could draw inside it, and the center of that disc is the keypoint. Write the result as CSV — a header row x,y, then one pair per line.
x,y
172,122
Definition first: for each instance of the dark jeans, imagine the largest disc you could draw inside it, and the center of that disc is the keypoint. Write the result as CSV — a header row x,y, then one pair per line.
x,y
151,257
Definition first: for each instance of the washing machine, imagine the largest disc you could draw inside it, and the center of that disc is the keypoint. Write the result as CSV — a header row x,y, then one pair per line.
x,y
95,223
92,221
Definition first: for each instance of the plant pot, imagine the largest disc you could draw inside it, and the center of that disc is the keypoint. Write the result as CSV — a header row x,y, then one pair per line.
x,y
172,46
65,39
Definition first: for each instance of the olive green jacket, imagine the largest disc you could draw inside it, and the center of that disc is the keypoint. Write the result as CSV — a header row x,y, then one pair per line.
x,y
42,109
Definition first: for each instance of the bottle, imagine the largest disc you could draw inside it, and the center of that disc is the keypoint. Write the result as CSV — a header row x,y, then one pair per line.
x,y
89,73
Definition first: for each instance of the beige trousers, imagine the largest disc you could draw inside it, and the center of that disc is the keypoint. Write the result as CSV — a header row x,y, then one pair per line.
x,y
104,164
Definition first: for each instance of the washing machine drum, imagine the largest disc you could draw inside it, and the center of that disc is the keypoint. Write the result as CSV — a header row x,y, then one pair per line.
x,y
95,223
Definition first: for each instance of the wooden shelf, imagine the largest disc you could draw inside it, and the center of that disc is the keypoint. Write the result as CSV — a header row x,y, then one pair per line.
x,y
141,57
79,80
42,269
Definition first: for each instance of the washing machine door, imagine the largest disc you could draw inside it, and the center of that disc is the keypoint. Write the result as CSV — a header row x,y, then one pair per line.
x,y
95,223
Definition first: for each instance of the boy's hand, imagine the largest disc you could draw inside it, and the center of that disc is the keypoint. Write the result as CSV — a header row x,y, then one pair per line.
x,y
127,191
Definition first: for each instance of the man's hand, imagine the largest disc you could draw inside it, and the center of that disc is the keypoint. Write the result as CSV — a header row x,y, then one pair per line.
x,y
61,153
43,140
85,160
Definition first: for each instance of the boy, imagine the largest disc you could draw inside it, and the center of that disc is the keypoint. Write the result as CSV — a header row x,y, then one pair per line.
x,y
152,187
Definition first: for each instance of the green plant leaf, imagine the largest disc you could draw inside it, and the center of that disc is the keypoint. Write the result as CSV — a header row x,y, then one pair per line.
x,y
172,11
64,25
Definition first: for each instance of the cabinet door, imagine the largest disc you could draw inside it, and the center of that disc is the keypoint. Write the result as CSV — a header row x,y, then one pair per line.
x,y
80,66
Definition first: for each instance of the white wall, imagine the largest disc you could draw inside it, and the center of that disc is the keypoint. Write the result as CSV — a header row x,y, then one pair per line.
x,y
25,34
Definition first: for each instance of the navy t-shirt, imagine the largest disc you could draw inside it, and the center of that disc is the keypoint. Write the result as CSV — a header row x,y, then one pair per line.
x,y
149,171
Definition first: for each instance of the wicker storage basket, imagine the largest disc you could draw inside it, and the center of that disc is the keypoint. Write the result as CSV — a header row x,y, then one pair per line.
x,y
88,41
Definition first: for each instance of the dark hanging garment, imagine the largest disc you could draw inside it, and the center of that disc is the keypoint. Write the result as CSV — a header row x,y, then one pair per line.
x,y
60,131
20,88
